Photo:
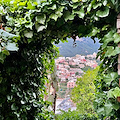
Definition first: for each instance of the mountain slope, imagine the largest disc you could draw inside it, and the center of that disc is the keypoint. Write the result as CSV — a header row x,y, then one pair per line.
x,y
84,46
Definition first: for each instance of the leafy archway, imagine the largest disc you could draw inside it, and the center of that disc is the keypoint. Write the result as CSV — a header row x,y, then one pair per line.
x,y
27,51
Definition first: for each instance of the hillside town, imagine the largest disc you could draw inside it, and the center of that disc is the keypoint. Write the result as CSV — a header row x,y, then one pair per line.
x,y
68,69
71,68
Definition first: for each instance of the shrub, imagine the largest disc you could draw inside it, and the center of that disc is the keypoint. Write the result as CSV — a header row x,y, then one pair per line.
x,y
75,115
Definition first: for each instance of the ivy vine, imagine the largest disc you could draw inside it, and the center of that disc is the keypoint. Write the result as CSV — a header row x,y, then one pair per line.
x,y
27,52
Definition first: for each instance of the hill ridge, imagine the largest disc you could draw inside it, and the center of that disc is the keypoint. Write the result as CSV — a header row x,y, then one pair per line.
x,y
84,46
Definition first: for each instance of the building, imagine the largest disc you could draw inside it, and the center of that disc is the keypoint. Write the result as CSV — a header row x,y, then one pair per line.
x,y
71,84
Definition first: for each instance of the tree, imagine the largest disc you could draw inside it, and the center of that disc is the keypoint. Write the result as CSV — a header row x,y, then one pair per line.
x,y
84,93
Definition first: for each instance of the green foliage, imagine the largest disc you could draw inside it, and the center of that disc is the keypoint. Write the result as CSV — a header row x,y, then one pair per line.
x,y
107,90
36,24
75,115
83,93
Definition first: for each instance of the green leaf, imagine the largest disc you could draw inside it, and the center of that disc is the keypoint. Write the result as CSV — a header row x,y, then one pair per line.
x,y
100,110
113,1
68,16
30,5
11,47
103,12
110,77
58,13
22,102
116,92
42,1
41,19
29,25
14,107
28,34
39,27
105,27
81,12
97,5
89,8
54,17
34,95
6,34
116,106
22,3
108,108
116,51
9,97
6,52
105,2
2,57
75,1
109,51
61,8
53,7
95,30
116,38
110,94
8,29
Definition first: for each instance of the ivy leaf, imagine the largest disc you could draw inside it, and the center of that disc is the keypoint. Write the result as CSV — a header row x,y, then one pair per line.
x,y
110,77
68,16
113,1
75,1
39,27
110,94
108,108
41,19
14,107
94,32
34,95
81,12
116,106
6,52
8,29
22,3
6,34
54,17
61,8
30,5
103,13
89,8
11,47
116,38
116,92
58,13
28,34
22,102
116,51
97,5
109,51
53,7
100,110
2,57
9,97
29,25
106,41
105,2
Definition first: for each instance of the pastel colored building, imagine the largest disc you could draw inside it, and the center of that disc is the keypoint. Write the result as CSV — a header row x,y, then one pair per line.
x,y
71,84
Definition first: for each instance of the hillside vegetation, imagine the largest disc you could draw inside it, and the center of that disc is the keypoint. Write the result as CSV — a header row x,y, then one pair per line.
x,y
84,46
